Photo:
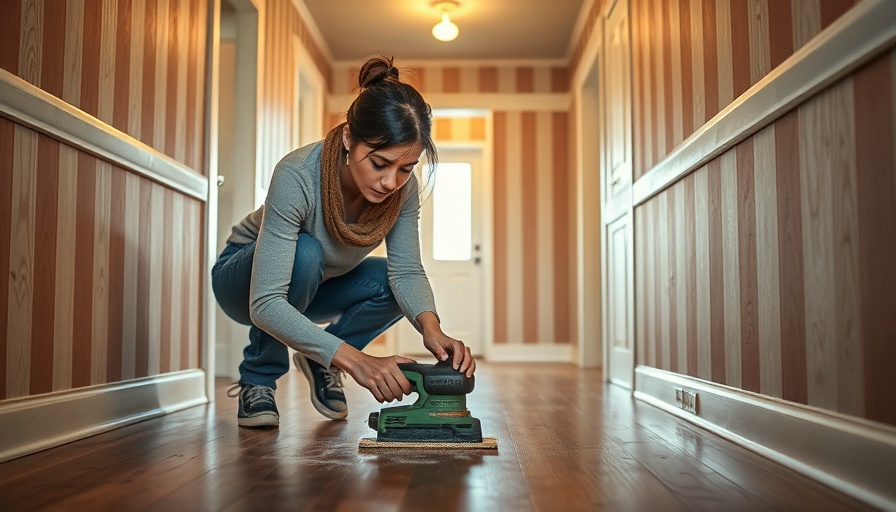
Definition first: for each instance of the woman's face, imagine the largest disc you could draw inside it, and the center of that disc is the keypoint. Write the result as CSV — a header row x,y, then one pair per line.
x,y
379,173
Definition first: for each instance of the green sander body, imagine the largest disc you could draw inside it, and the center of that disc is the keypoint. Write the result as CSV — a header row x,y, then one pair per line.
x,y
440,413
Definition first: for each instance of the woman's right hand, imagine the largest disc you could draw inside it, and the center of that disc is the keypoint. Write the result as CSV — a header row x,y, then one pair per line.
x,y
380,375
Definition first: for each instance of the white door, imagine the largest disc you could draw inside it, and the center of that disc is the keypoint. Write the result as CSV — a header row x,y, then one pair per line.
x,y
618,322
451,238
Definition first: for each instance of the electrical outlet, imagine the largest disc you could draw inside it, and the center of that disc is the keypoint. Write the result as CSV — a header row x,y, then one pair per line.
x,y
686,400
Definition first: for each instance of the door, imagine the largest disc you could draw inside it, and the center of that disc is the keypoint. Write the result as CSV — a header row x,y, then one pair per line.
x,y
451,239
618,323
618,256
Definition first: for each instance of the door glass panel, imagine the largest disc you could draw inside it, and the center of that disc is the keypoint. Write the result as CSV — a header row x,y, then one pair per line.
x,y
452,204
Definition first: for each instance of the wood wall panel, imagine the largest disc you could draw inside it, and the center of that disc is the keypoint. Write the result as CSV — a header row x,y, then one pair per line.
x,y
794,234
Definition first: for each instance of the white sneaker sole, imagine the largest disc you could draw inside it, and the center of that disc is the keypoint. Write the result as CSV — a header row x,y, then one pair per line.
x,y
265,419
302,364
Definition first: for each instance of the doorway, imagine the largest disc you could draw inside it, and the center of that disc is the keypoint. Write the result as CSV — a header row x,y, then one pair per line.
x,y
236,153
454,249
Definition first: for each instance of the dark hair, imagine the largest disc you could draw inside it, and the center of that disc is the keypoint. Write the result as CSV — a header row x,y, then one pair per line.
x,y
389,112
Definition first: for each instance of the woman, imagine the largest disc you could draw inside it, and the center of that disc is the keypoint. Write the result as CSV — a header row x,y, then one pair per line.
x,y
300,260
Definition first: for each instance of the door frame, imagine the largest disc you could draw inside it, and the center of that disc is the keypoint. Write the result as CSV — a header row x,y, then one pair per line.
x,y
589,222
228,337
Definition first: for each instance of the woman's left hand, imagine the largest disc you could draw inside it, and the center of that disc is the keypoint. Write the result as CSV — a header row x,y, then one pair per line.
x,y
443,346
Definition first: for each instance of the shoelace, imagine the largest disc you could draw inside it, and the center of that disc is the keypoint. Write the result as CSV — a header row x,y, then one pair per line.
x,y
333,379
253,394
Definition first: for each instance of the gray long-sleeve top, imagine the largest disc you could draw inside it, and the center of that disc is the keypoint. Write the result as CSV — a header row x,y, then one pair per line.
x,y
294,205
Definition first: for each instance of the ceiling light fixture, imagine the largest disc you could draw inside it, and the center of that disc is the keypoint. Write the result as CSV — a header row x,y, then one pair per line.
x,y
445,30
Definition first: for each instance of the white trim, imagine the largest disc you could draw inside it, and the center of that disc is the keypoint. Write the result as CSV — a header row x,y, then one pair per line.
x,y
316,35
530,353
459,63
588,158
210,250
514,102
28,105
32,424
577,30
862,33
589,56
852,455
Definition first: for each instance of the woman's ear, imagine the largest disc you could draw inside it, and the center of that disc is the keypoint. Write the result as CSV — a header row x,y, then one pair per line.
x,y
345,137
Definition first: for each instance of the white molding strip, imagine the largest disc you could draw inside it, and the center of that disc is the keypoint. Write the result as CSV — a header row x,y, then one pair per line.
x,y
551,102
316,35
345,65
852,455
29,105
859,35
530,353
32,424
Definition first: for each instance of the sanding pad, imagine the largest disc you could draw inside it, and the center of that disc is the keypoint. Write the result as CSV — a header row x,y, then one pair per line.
x,y
488,443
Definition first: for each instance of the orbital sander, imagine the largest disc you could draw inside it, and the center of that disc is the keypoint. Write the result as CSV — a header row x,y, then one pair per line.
x,y
439,417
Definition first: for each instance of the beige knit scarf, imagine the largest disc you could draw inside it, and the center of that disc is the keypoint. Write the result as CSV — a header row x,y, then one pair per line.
x,y
376,220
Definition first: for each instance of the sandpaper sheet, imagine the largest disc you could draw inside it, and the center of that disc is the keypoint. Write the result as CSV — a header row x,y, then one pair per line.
x,y
488,443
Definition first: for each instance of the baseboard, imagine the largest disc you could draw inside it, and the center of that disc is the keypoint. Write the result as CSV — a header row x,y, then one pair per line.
x,y
854,456
525,353
32,424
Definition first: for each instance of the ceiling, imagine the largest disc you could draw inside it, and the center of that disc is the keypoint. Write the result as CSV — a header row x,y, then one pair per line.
x,y
489,29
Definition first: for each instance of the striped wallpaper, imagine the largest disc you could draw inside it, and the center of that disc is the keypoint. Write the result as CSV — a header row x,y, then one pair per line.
x,y
459,129
104,266
145,79
771,268
532,244
691,58
278,130
104,270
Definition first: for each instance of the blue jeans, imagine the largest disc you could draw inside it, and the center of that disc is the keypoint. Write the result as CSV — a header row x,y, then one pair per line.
x,y
359,305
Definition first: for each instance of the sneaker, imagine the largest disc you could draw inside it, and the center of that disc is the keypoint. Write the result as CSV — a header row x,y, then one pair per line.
x,y
326,387
256,406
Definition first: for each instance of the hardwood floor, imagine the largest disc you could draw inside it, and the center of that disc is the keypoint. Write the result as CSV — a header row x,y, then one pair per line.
x,y
566,442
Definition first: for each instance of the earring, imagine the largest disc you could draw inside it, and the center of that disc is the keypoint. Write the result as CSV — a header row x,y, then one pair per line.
x,y
346,156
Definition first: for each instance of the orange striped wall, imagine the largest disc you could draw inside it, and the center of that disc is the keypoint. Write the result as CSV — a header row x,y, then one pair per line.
x,y
459,129
103,266
691,58
770,268
531,213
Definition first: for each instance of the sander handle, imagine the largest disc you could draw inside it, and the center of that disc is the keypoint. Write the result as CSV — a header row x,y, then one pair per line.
x,y
439,378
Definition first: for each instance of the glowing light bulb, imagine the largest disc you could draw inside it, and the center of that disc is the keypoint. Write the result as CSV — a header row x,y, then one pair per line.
x,y
445,30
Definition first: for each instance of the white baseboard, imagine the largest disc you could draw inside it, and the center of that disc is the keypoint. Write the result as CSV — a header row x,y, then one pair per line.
x,y
526,353
852,455
29,425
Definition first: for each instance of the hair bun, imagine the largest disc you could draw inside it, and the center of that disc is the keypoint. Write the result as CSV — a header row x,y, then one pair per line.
x,y
376,70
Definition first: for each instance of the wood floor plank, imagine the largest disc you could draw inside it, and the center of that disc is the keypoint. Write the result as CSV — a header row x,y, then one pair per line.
x,y
566,442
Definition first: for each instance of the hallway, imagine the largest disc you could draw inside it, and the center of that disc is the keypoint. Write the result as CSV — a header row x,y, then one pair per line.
x,y
566,442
